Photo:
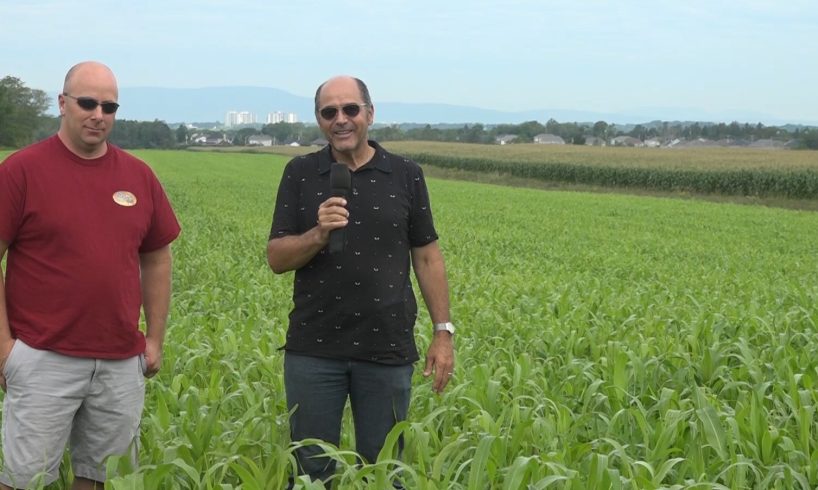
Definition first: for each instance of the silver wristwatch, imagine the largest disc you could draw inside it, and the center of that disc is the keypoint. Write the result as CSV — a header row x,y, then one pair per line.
x,y
447,326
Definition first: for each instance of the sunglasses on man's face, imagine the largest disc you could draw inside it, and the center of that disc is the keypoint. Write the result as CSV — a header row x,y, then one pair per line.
x,y
89,104
350,110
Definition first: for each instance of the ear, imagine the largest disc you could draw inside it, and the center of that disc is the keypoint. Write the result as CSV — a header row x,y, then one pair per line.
x,y
61,104
370,115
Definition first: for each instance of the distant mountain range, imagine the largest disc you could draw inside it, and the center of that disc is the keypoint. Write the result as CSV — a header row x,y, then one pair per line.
x,y
190,105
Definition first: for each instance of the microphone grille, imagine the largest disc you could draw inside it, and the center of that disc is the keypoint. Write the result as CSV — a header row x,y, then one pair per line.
x,y
339,176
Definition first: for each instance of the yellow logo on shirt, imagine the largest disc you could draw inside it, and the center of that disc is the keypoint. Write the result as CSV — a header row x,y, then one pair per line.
x,y
124,198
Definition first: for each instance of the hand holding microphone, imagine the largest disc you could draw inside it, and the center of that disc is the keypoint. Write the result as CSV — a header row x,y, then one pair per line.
x,y
341,182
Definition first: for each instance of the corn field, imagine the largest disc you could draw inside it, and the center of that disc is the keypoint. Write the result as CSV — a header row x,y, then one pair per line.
x,y
746,172
604,342
791,183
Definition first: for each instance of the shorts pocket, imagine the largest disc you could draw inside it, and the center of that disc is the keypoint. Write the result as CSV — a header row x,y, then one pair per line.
x,y
8,366
143,364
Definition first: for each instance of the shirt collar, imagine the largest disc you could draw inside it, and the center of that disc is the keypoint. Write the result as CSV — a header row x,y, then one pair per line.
x,y
379,161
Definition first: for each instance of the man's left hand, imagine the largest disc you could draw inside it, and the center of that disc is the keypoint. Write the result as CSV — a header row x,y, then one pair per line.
x,y
153,357
440,360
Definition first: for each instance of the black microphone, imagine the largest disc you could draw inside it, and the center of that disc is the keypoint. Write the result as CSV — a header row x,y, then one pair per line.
x,y
341,182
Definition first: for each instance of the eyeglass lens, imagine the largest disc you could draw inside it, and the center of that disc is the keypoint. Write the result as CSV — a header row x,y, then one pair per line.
x,y
89,104
350,110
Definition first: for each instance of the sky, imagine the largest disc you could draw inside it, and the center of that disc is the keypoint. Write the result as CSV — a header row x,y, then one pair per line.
x,y
724,60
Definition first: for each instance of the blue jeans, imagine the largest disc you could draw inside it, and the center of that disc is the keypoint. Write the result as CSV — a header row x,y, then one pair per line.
x,y
378,393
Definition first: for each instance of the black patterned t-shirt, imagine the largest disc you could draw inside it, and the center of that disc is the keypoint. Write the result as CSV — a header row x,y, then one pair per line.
x,y
359,303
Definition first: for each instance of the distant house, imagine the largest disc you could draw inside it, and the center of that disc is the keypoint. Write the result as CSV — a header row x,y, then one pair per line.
x,y
626,141
548,139
319,142
209,140
699,143
260,140
505,139
594,141
767,143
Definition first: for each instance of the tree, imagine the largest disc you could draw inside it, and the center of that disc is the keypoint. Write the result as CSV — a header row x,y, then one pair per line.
x,y
600,129
529,129
572,133
809,139
475,134
426,133
141,134
552,126
182,134
639,132
22,112
285,133
694,131
387,133
241,136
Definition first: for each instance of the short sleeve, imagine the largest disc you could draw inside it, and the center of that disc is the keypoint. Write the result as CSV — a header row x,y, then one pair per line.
x,y
421,225
285,215
12,199
164,225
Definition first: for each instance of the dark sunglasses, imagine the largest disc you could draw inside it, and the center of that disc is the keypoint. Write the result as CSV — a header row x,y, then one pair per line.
x,y
89,104
350,110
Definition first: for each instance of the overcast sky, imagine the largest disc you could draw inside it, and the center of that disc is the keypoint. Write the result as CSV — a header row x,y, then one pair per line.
x,y
745,60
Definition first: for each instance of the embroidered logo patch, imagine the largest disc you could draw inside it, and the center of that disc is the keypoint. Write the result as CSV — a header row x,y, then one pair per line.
x,y
124,198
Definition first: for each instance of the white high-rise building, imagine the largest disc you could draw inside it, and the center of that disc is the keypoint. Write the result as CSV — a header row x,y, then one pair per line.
x,y
230,118
278,116
246,117
235,118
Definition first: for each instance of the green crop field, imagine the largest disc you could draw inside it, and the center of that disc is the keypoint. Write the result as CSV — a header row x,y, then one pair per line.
x,y
779,177
605,341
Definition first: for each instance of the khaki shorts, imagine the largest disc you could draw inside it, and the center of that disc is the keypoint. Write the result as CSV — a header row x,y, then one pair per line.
x,y
95,405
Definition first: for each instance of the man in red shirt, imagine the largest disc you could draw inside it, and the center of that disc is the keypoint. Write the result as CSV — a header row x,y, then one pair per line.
x,y
87,228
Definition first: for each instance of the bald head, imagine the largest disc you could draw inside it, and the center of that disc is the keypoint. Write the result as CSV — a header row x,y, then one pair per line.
x,y
365,98
90,73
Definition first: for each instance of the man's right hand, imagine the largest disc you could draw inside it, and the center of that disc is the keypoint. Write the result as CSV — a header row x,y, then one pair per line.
x,y
332,214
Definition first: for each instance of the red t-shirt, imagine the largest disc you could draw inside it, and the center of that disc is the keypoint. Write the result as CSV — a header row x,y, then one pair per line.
x,y
75,229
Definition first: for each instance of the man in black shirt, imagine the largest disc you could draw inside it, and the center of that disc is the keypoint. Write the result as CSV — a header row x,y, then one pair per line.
x,y
351,331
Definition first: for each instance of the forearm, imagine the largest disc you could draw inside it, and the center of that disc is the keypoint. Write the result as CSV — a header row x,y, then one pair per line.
x,y
5,329
430,271
294,251
156,270
6,340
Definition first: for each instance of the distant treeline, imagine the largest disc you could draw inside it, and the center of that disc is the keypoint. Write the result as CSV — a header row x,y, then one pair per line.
x,y
571,133
23,121
579,134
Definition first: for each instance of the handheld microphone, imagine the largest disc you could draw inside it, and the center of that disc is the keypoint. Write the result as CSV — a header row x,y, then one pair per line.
x,y
341,182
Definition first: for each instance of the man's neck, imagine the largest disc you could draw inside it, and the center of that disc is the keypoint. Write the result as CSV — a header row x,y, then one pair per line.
x,y
88,152
354,160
